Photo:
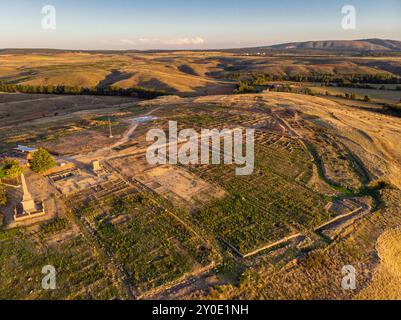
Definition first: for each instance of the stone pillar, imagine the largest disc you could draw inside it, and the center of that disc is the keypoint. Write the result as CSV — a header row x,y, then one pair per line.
x,y
27,202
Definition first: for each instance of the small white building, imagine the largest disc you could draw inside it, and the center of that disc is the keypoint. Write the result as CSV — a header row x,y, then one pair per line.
x,y
25,149
28,151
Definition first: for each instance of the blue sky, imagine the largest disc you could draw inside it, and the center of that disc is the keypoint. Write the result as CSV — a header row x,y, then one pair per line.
x,y
150,24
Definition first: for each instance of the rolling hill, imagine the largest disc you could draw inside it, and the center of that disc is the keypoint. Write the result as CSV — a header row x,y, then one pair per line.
x,y
198,72
350,45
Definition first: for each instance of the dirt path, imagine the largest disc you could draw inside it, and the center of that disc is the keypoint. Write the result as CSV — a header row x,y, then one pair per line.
x,y
127,134
31,100
106,152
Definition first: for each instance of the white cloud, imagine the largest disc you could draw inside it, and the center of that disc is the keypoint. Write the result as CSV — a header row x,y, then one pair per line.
x,y
184,41
145,40
175,41
128,41
155,42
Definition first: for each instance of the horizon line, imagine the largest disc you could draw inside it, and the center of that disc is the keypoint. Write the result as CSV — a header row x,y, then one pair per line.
x,y
203,49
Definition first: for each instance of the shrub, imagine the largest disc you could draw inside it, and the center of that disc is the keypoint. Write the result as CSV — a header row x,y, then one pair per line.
x,y
3,196
54,226
244,87
10,168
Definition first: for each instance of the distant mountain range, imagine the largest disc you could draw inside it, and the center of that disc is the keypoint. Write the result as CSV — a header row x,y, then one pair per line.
x,y
363,45
351,45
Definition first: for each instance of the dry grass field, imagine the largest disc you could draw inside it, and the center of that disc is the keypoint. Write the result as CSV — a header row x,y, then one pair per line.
x,y
184,72
384,96
173,73
325,191
385,283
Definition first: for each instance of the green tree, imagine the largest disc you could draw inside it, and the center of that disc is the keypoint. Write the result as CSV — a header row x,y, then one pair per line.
x,y
3,196
42,161
244,87
10,168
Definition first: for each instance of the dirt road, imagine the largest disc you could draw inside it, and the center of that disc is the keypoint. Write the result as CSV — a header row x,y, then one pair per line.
x,y
107,152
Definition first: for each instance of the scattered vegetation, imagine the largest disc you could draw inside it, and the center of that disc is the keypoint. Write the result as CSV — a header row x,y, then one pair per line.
x,y
80,274
257,210
55,226
152,245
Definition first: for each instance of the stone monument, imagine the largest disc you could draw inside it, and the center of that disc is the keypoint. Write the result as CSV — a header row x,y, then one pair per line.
x,y
27,208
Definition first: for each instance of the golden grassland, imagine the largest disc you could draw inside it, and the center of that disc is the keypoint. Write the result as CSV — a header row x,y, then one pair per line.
x,y
383,96
186,72
387,274
173,74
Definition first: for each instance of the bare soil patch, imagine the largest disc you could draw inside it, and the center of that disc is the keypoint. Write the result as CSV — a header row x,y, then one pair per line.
x,y
175,183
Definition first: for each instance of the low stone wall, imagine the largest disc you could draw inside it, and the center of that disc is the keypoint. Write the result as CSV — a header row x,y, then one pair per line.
x,y
30,215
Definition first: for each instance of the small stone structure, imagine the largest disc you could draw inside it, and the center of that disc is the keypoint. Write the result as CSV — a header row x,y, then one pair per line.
x,y
74,181
28,208
96,166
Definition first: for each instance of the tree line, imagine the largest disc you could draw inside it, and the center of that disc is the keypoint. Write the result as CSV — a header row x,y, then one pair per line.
x,y
327,79
250,87
138,92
